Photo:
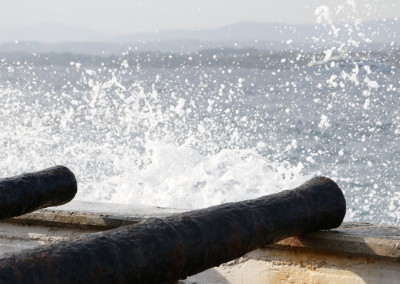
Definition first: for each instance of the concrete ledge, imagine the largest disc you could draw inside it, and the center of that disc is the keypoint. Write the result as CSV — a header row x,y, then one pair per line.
x,y
272,265
92,215
352,253
359,239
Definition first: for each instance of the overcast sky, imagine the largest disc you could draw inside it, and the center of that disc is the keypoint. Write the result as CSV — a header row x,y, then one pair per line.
x,y
118,17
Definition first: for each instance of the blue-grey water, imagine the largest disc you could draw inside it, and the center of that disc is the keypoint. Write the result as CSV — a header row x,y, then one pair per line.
x,y
194,135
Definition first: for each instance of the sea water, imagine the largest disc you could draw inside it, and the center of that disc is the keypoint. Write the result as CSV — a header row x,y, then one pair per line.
x,y
197,135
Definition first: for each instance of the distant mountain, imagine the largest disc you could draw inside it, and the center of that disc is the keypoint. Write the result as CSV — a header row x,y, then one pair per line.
x,y
273,36
50,33
244,31
379,31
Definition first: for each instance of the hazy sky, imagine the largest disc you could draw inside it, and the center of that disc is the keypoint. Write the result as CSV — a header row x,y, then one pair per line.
x,y
118,17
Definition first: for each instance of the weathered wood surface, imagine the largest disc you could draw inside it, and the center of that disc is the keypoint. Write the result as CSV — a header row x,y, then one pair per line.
x,y
31,191
165,250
